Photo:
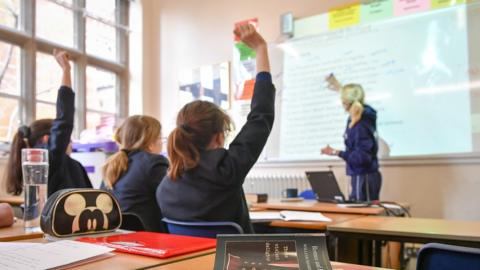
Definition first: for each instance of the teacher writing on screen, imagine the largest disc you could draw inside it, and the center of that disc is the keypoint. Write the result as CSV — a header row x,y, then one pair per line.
x,y
361,144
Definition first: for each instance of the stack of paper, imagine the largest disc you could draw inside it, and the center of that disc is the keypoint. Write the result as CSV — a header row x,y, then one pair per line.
x,y
289,216
61,254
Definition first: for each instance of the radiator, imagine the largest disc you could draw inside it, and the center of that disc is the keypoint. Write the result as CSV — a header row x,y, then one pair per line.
x,y
274,184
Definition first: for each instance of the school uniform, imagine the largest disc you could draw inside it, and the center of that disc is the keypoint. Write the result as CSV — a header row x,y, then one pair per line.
x,y
361,148
63,171
135,189
213,191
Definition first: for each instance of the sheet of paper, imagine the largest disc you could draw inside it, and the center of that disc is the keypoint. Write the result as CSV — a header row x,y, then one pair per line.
x,y
50,255
265,215
303,216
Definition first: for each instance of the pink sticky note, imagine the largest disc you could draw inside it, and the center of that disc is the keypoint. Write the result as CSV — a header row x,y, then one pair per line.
x,y
405,7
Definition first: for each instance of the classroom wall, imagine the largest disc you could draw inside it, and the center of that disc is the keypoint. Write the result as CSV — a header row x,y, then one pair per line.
x,y
182,33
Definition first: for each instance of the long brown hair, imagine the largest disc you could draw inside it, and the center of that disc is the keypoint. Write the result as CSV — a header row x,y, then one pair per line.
x,y
197,123
137,132
26,137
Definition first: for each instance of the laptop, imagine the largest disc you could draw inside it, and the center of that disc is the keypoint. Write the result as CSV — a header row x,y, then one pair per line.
x,y
325,186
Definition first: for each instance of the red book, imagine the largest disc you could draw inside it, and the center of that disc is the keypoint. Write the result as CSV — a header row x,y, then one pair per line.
x,y
160,245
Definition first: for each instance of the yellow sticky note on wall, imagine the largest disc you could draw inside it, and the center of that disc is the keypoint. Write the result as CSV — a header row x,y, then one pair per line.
x,y
344,16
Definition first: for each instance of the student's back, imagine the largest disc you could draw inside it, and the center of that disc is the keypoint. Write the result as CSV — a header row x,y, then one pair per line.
x,y
134,173
207,186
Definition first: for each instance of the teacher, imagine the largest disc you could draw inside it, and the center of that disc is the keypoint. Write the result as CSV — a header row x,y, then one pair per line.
x,y
361,145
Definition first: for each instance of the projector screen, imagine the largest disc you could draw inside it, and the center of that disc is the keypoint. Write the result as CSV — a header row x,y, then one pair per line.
x,y
419,66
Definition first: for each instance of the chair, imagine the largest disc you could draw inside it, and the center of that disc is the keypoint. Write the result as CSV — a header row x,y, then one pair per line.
x,y
447,257
132,222
308,194
202,228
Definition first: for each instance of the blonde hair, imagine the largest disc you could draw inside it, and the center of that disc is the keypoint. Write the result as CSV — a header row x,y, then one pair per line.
x,y
137,132
353,94
197,123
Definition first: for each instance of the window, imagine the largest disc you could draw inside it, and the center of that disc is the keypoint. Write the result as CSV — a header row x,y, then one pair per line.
x,y
10,13
9,90
93,32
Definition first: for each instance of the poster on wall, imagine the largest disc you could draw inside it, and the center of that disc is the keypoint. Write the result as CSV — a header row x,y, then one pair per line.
x,y
209,83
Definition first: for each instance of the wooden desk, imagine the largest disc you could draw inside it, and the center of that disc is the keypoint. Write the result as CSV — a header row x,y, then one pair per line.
x,y
411,230
130,261
207,263
12,200
314,225
17,232
315,206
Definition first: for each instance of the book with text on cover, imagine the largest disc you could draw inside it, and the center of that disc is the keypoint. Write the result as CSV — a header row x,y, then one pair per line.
x,y
160,245
272,252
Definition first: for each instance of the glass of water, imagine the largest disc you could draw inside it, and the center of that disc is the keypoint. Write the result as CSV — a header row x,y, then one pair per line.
x,y
35,178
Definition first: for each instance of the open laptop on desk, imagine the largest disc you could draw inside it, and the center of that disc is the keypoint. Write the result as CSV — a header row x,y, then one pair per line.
x,y
325,186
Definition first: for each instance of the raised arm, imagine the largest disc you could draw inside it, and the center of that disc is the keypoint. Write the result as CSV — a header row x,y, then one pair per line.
x,y
62,126
249,35
333,83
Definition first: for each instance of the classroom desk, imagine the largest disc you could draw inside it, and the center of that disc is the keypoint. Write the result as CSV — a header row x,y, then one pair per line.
x,y
411,230
130,261
311,225
207,263
17,232
12,200
315,206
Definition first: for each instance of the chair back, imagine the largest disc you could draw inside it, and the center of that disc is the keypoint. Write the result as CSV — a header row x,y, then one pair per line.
x,y
447,257
132,222
202,228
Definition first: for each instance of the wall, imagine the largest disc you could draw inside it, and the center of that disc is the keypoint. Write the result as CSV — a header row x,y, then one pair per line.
x,y
181,33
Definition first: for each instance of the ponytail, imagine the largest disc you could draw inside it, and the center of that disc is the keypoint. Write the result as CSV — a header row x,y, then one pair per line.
x,y
197,124
14,177
182,152
115,166
355,111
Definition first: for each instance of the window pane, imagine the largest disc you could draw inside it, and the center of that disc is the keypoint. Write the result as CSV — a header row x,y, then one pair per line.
x,y
101,93
101,39
101,122
10,13
9,69
8,118
104,9
49,75
55,22
45,111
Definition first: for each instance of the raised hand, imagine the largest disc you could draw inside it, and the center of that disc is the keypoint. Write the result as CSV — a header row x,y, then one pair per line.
x,y
249,35
333,83
62,58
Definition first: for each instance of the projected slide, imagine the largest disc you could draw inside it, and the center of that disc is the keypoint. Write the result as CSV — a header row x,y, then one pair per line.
x,y
414,69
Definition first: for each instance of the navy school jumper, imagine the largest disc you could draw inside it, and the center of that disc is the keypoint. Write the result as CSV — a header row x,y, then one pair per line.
x,y
213,191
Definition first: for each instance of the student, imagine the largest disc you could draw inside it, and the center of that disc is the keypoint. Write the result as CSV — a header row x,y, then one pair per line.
x,y
204,182
54,135
134,173
361,145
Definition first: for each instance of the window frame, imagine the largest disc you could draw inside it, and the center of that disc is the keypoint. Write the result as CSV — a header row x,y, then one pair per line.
x,y
29,44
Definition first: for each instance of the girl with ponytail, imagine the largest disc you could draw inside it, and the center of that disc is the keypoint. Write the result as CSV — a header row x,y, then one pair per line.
x,y
361,145
134,172
54,135
204,182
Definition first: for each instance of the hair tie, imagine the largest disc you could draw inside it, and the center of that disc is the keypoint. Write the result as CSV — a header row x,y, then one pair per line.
x,y
125,151
24,132
186,128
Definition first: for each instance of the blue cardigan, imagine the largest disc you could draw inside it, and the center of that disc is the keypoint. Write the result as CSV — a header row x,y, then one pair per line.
x,y
213,191
361,146
64,172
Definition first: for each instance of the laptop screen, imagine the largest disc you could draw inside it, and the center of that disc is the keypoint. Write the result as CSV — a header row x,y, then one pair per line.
x,y
325,186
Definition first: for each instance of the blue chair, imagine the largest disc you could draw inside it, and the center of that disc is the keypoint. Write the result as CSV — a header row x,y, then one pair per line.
x,y
447,257
308,194
202,228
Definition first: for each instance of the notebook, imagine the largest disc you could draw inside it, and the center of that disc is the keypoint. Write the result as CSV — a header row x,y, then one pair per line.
x,y
325,186
153,244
